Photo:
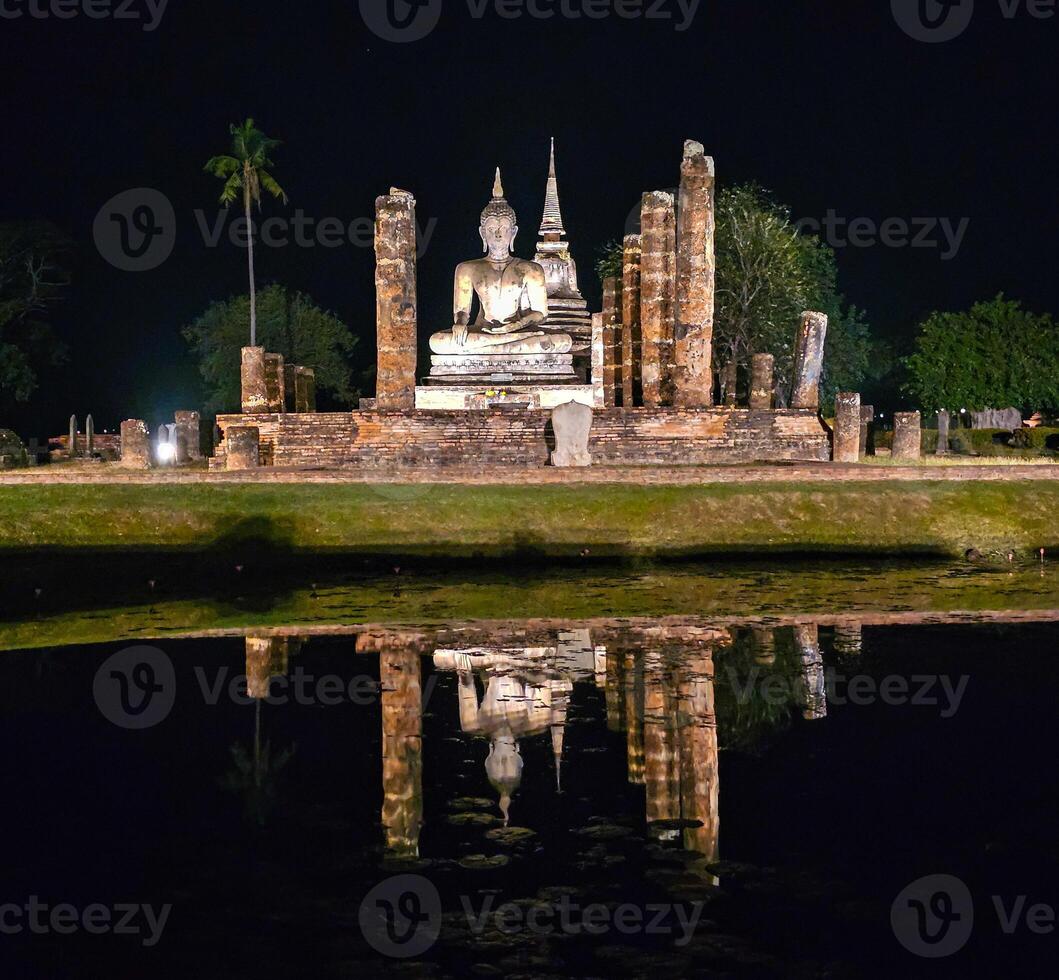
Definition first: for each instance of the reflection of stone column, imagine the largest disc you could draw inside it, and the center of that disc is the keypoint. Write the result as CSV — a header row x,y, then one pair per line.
x,y
814,691
697,742
763,641
867,430
943,433
402,745
615,690
695,271
908,436
847,427
252,373
634,710
266,657
808,361
762,375
396,300
243,450
849,641
630,322
188,424
611,340
657,296
661,771
274,384
135,445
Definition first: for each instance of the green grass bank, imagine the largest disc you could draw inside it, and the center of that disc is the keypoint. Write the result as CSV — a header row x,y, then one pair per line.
x,y
453,520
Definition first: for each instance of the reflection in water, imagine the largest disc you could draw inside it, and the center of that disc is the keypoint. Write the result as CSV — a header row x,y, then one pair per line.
x,y
814,684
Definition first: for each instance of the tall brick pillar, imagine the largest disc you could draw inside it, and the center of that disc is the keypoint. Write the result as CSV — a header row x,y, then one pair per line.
x,y
274,384
762,381
808,361
611,341
255,392
658,296
395,300
847,427
630,322
696,272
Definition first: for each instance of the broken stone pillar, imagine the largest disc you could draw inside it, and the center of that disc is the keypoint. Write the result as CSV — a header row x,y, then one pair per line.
x,y
90,437
243,447
71,448
908,436
695,274
657,296
187,423
135,445
808,361
396,310
255,392
611,341
266,657
274,392
847,427
304,390
762,381
630,322
572,425
730,384
867,430
943,433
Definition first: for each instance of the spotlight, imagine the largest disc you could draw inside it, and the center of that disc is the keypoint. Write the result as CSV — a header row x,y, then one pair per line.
x,y
166,452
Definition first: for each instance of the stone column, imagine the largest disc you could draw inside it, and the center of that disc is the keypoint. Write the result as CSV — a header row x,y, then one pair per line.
x,y
180,447
90,436
763,643
611,341
943,433
396,309
187,423
274,384
847,427
908,436
658,296
630,322
762,381
808,361
243,447
266,657
304,390
135,445
730,384
695,274
611,299
255,392
597,358
867,430
71,448
813,680
849,642
402,745
634,709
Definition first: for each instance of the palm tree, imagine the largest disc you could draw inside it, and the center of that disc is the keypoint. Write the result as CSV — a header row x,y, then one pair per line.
x,y
244,170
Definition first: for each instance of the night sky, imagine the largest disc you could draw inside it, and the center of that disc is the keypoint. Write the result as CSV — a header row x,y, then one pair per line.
x,y
831,105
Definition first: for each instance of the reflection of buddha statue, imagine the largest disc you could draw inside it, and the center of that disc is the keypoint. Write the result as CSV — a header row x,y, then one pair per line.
x,y
512,295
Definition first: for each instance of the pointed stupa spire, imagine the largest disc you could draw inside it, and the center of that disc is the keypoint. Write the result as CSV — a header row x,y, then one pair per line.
x,y
553,217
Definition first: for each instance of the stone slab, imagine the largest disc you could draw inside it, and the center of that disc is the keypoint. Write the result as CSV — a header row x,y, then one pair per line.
x,y
472,398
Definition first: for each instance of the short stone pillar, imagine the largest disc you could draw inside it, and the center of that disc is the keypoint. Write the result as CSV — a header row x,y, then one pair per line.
x,y
867,430
304,390
762,381
572,425
943,433
187,424
135,444
255,392
274,384
630,321
695,275
908,436
657,296
730,384
396,300
71,449
243,444
808,361
847,427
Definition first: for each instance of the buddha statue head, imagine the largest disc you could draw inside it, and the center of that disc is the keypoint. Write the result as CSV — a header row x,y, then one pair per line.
x,y
498,226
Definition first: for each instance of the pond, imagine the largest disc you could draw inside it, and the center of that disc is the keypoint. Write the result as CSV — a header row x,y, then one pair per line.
x,y
737,770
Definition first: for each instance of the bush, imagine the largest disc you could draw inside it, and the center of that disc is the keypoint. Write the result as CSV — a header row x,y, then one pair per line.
x,y
1002,442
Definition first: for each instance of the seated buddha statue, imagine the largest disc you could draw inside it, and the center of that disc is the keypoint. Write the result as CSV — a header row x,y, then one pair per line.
x,y
512,295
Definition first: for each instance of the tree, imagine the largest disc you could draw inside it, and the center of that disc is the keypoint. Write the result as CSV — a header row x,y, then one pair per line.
x,y
244,171
995,355
32,275
290,324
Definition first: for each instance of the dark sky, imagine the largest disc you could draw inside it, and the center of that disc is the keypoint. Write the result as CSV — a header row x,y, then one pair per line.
x,y
830,104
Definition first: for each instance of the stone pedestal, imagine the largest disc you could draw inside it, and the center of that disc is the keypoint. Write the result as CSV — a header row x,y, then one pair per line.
x,y
500,369
762,381
187,424
630,322
943,433
572,424
847,427
695,273
255,392
304,390
657,296
867,430
243,447
395,300
908,436
135,445
808,361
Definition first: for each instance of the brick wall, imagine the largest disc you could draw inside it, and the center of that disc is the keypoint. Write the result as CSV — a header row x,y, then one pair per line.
x,y
643,436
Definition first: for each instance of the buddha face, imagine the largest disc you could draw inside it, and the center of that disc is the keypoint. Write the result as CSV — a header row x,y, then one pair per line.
x,y
498,235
